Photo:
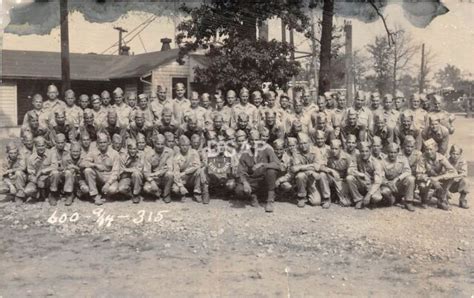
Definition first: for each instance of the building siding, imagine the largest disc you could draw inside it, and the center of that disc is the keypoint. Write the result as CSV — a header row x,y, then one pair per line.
x,y
164,74
8,104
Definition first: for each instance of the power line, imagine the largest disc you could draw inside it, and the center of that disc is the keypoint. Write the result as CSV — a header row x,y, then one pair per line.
x,y
141,41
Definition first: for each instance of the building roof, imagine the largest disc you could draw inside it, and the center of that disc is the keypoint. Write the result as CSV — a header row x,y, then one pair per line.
x,y
87,67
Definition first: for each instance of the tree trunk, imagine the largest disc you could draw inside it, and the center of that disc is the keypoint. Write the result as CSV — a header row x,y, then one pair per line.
x,y
325,55
65,69
395,65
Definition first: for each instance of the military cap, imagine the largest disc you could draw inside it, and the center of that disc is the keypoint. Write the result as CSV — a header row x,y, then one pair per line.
x,y
11,146
254,134
95,97
351,137
52,88
455,148
142,96
303,137
184,140
336,142
117,138
292,141
88,112
75,145
376,140
278,143
240,133
105,93
159,137
430,143
69,92
393,145
244,91
364,145
409,139
118,91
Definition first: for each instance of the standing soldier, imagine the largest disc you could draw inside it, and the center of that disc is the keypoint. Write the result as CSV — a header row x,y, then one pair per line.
x,y
364,179
12,174
196,111
375,105
102,169
37,102
389,114
411,153
437,173
163,101
245,107
459,183
222,110
382,131
257,101
399,101
181,103
420,115
398,181
52,103
74,113
132,101
143,107
206,105
158,171
336,170
187,170
438,133
74,183
122,109
56,176
131,172
338,115
100,113
446,118
364,114
258,167
105,99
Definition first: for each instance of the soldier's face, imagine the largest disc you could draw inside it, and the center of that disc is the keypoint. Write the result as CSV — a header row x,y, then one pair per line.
x,y
70,99
304,145
365,153
192,125
102,144
415,103
159,145
244,98
184,147
455,155
392,154
139,120
141,144
257,100
28,143
436,106
40,148
206,103
13,154
106,100
341,103
351,144
307,99
284,103
231,99
359,103
153,97
60,143
321,123
52,94
253,140
117,145
375,102
430,151
376,148
196,143
335,150
279,150
270,101
194,102
84,102
143,103
352,119
408,148
398,103
292,147
297,127
388,103
96,105
320,141
89,119
321,104
219,103
118,99
34,122
218,123
132,101
60,119
298,106
75,152
406,123
162,95
264,137
170,142
167,118
379,124
37,103
112,119
86,142
242,122
132,151
241,141
434,125
270,119
180,91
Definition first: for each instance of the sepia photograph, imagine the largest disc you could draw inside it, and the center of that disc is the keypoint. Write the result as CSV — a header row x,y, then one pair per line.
x,y
236,148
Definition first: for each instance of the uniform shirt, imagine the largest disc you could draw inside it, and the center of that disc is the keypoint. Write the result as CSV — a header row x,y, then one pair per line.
x,y
146,130
180,106
251,157
25,153
67,130
365,118
157,107
337,117
112,130
391,117
322,153
276,131
42,118
199,113
69,163
129,162
420,118
146,152
370,167
460,166
380,156
278,113
413,160
100,117
446,119
441,137
36,163
110,159
172,127
435,167
8,164
123,115
74,115
50,107
394,169
401,133
185,130
308,158
248,109
341,164
226,114
159,162
57,157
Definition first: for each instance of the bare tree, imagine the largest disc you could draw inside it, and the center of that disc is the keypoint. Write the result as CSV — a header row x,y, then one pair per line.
x,y
426,67
402,52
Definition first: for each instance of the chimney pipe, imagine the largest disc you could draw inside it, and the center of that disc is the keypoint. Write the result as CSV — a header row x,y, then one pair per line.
x,y
166,44
125,51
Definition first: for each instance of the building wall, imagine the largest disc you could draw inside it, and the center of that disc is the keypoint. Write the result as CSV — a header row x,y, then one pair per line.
x,y
8,104
164,74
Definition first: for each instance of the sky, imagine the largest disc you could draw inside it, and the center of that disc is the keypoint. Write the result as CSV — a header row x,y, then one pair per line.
x,y
450,37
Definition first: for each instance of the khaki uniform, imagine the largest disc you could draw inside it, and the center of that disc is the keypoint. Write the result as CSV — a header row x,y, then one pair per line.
x,y
108,177
187,171
360,187
404,186
37,180
73,177
123,115
158,171
131,182
341,166
13,183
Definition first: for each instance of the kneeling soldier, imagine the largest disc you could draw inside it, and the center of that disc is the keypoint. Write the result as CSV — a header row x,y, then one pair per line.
x,y
365,178
159,170
459,184
73,178
12,175
102,168
398,181
131,172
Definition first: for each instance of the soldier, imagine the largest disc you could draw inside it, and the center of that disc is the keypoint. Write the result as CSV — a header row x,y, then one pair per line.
x,y
377,148
158,170
180,104
89,126
117,144
258,167
61,127
140,126
438,133
132,101
459,183
437,173
52,103
39,167
351,127
100,113
364,114
167,124
399,101
382,131
112,127
364,179
425,102
12,174
375,104
321,124
102,169
274,127
87,146
37,102
245,107
170,141
74,113
191,127
84,102
295,129
398,182
74,183
283,182
389,114
446,119
56,176
218,126
407,128
144,150
309,106
206,105
411,153
122,109
271,108
28,146
131,172
105,99
222,110
336,171
257,101
187,169
143,107
322,105
195,111
338,115
351,147
35,129
163,101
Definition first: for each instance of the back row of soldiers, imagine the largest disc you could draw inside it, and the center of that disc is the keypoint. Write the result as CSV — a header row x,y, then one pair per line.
x,y
252,145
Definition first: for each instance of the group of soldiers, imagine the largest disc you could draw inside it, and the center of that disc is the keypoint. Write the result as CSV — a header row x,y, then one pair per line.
x,y
255,145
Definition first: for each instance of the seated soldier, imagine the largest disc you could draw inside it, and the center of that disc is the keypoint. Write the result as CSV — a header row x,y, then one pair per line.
x,y
275,130
338,164
140,126
57,153
158,170
398,182
459,183
99,111
321,124
112,126
12,174
37,102
27,148
195,111
191,126
446,118
283,181
166,123
390,114
102,168
122,109
73,112
365,178
39,167
59,126
351,127
413,155
117,144
74,183
143,107
36,130
320,147
143,149
437,173
258,167
187,169
377,148
243,123
87,146
131,172
351,147
382,131
295,128
88,126
218,125
438,133
264,135
407,128
223,110
170,141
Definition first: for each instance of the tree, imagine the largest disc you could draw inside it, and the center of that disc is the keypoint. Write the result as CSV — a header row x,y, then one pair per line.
x,y
448,76
228,30
407,84
402,52
381,55
425,66
359,68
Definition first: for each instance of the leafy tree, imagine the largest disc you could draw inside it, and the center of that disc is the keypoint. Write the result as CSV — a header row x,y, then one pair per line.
x,y
448,76
380,54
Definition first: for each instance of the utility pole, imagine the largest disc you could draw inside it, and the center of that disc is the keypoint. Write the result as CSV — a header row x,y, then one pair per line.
x,y
314,51
349,66
283,31
120,30
65,67
292,58
421,85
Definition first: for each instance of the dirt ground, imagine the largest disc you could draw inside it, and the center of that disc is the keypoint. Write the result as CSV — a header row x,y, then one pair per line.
x,y
229,249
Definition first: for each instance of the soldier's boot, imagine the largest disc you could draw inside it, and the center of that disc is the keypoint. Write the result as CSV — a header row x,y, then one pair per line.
x,y
198,197
69,199
463,201
344,201
42,194
98,200
53,198
18,200
136,199
443,204
167,199
359,205
391,200
301,202
270,201
205,197
409,207
254,200
326,204
9,197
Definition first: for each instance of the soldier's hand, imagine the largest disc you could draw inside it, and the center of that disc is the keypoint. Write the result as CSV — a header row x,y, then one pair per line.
x,y
247,188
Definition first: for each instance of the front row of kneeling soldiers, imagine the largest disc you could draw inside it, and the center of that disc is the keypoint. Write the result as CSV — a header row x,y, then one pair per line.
x,y
241,163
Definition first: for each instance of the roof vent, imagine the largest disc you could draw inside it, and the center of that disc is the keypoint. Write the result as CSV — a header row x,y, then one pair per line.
x,y
166,44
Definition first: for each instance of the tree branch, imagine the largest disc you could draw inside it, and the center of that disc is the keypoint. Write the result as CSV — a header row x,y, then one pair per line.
x,y
391,40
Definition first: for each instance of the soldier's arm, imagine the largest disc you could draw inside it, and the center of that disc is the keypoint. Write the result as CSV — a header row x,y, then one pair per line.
x,y
115,172
195,163
406,171
450,171
378,178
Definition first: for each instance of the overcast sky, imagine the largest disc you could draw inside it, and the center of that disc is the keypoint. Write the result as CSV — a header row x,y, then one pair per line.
x,y
450,37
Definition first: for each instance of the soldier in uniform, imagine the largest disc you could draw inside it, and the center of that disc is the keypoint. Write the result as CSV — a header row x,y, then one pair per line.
x,y
102,169
87,146
321,124
163,101
398,181
60,126
351,127
364,179
382,131
140,126
375,103
437,173
338,115
420,115
52,103
218,126
105,99
122,109
112,127
438,133
132,102
12,174
257,101
37,102
407,128
187,169
389,114
258,167
56,176
167,124
459,183
74,113
274,127
74,183
272,108
245,107
412,154
283,182
446,118
377,148
206,105
35,129
143,107
84,102
180,104
195,111
118,144
336,171
100,113
131,172
28,146
88,126
351,147
39,167
364,114
222,110
158,170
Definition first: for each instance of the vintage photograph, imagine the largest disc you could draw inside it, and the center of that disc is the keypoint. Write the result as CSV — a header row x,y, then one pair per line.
x,y
236,148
